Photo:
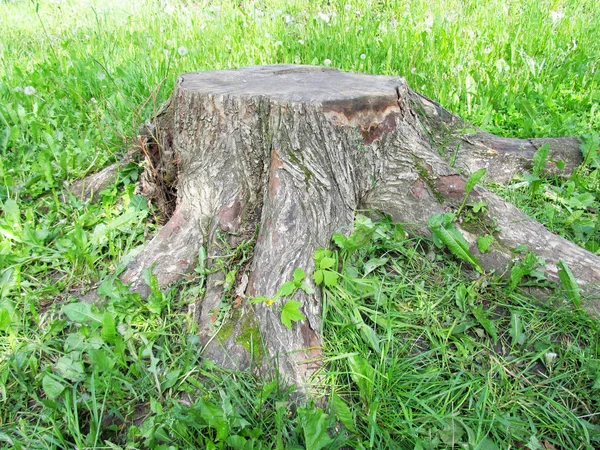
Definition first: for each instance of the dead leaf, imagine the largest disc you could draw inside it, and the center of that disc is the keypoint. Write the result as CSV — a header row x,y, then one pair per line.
x,y
239,291
237,302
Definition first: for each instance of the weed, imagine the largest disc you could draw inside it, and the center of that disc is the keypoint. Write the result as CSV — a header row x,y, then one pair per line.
x,y
410,341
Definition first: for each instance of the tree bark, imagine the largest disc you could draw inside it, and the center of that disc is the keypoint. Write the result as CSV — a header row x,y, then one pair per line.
x,y
295,151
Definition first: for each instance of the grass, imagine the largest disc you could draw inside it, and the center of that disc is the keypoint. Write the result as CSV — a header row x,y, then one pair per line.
x,y
422,366
436,360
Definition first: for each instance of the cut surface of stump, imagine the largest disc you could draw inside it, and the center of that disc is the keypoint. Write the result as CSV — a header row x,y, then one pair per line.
x,y
286,155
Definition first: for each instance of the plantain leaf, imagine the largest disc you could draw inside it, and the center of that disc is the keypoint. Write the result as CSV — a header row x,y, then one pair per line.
x,y
445,232
473,180
373,264
52,387
516,330
540,158
469,185
343,412
81,313
486,323
363,375
569,283
109,328
521,269
314,425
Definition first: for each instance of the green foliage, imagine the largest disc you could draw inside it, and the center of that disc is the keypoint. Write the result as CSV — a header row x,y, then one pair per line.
x,y
569,284
86,377
487,324
589,149
314,424
76,80
444,234
516,330
471,182
475,364
290,312
568,207
526,267
343,412
325,273
484,243
540,158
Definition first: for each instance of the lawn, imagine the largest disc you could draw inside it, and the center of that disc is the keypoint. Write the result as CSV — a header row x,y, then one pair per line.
x,y
419,353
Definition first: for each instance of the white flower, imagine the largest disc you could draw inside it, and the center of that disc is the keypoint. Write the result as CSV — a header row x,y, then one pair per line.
x,y
363,56
300,41
327,62
322,16
556,16
18,89
451,16
101,76
182,51
29,90
149,42
428,21
549,358
487,50
288,18
93,100
348,7
170,43
502,66
413,70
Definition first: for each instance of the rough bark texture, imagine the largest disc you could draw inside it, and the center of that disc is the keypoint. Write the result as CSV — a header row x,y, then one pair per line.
x,y
294,151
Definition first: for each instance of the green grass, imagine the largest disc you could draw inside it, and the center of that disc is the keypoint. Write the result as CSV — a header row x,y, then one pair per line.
x,y
435,359
568,207
76,80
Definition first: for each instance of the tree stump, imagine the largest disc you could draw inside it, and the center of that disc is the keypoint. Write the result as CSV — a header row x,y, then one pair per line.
x,y
295,151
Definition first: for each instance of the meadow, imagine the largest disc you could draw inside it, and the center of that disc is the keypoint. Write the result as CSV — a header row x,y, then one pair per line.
x,y
418,354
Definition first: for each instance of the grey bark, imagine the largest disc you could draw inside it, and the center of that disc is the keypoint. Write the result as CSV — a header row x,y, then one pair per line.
x,y
295,151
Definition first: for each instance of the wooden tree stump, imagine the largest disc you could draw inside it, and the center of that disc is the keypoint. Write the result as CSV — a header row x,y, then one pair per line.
x,y
295,151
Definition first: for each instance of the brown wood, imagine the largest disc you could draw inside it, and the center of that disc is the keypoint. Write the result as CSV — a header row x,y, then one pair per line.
x,y
295,151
